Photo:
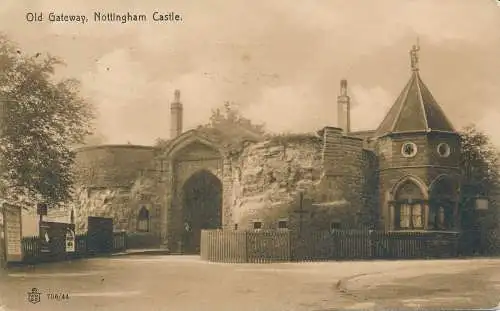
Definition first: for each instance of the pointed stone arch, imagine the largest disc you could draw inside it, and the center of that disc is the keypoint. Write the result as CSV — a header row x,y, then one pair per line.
x,y
201,201
443,203
181,142
190,155
143,219
408,206
444,182
410,179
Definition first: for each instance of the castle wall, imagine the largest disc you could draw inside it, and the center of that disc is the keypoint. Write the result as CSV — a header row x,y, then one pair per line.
x,y
112,182
112,165
331,171
122,204
268,175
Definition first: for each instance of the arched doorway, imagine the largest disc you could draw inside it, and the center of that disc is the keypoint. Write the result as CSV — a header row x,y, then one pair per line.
x,y
201,207
409,207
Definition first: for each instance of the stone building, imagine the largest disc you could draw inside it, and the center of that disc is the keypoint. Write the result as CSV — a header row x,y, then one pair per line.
x,y
401,176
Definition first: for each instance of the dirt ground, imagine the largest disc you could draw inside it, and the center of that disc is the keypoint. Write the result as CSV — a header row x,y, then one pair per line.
x,y
182,283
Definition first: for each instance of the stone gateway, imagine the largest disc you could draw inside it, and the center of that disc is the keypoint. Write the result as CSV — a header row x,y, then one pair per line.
x,y
401,176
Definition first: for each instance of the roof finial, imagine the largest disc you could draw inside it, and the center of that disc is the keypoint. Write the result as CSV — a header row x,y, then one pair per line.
x,y
177,96
414,56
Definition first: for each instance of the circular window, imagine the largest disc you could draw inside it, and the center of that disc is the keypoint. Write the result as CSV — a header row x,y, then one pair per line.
x,y
409,149
444,150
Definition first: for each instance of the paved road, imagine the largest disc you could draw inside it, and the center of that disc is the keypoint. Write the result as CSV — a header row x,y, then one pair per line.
x,y
186,283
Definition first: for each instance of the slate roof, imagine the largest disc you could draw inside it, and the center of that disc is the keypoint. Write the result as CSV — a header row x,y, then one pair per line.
x,y
415,110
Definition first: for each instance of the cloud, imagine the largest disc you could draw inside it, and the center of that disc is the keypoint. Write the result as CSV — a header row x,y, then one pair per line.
x,y
369,106
490,124
281,63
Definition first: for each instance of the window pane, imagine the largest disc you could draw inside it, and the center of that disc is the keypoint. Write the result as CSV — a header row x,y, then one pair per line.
x,y
441,218
142,225
404,221
417,216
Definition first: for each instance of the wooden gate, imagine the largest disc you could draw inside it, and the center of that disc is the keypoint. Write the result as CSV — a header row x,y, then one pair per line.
x,y
53,240
100,235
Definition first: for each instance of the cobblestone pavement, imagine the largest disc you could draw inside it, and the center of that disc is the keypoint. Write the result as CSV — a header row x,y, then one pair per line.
x,y
185,283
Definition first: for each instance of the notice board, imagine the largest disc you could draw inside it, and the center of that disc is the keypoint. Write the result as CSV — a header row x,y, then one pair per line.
x,y
12,232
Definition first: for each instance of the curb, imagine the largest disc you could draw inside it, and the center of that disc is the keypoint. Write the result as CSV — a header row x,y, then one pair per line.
x,y
153,252
341,286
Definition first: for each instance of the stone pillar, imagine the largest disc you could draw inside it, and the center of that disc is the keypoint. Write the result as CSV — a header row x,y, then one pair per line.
x,y
392,216
227,186
426,215
167,183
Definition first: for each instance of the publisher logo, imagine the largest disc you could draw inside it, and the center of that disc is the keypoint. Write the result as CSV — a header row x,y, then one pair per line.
x,y
34,296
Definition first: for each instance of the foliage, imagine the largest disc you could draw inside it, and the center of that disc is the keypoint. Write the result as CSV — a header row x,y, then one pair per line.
x,y
42,119
479,162
161,143
480,177
230,129
231,119
290,138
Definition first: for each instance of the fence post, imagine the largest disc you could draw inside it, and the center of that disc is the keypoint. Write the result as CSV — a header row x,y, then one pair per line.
x,y
246,246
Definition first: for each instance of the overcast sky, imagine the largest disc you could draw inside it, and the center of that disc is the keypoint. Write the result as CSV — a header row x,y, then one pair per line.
x,y
280,60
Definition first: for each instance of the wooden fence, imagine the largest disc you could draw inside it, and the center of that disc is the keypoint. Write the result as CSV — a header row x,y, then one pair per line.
x,y
33,251
284,245
143,240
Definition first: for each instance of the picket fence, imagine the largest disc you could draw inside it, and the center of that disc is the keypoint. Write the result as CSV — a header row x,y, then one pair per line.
x,y
33,251
285,245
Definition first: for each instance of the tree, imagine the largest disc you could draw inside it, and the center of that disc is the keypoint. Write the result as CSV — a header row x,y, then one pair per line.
x,y
227,126
231,119
42,119
480,170
480,161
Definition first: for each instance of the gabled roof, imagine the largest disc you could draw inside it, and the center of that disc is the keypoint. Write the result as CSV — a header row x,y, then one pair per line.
x,y
415,110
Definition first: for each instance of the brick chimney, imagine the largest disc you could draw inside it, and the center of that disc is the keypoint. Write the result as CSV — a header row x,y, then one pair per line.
x,y
176,115
344,109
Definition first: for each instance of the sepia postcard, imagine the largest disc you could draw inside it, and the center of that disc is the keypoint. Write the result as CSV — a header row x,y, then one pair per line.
x,y
249,155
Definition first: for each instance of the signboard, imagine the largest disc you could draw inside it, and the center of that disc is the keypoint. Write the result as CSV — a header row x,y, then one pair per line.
x,y
41,209
12,232
70,241
481,204
44,237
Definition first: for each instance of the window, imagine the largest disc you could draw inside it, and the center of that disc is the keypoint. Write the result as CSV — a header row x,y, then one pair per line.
x,y
409,216
440,217
282,224
408,206
257,225
444,150
143,220
235,227
409,149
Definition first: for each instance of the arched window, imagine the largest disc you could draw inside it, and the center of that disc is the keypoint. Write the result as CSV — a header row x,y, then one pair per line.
x,y
442,203
408,207
143,220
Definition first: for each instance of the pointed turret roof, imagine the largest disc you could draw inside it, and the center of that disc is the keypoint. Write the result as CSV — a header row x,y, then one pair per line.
x,y
415,110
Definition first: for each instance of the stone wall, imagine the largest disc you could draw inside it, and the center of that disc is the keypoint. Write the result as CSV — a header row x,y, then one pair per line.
x,y
330,170
268,175
112,165
122,204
